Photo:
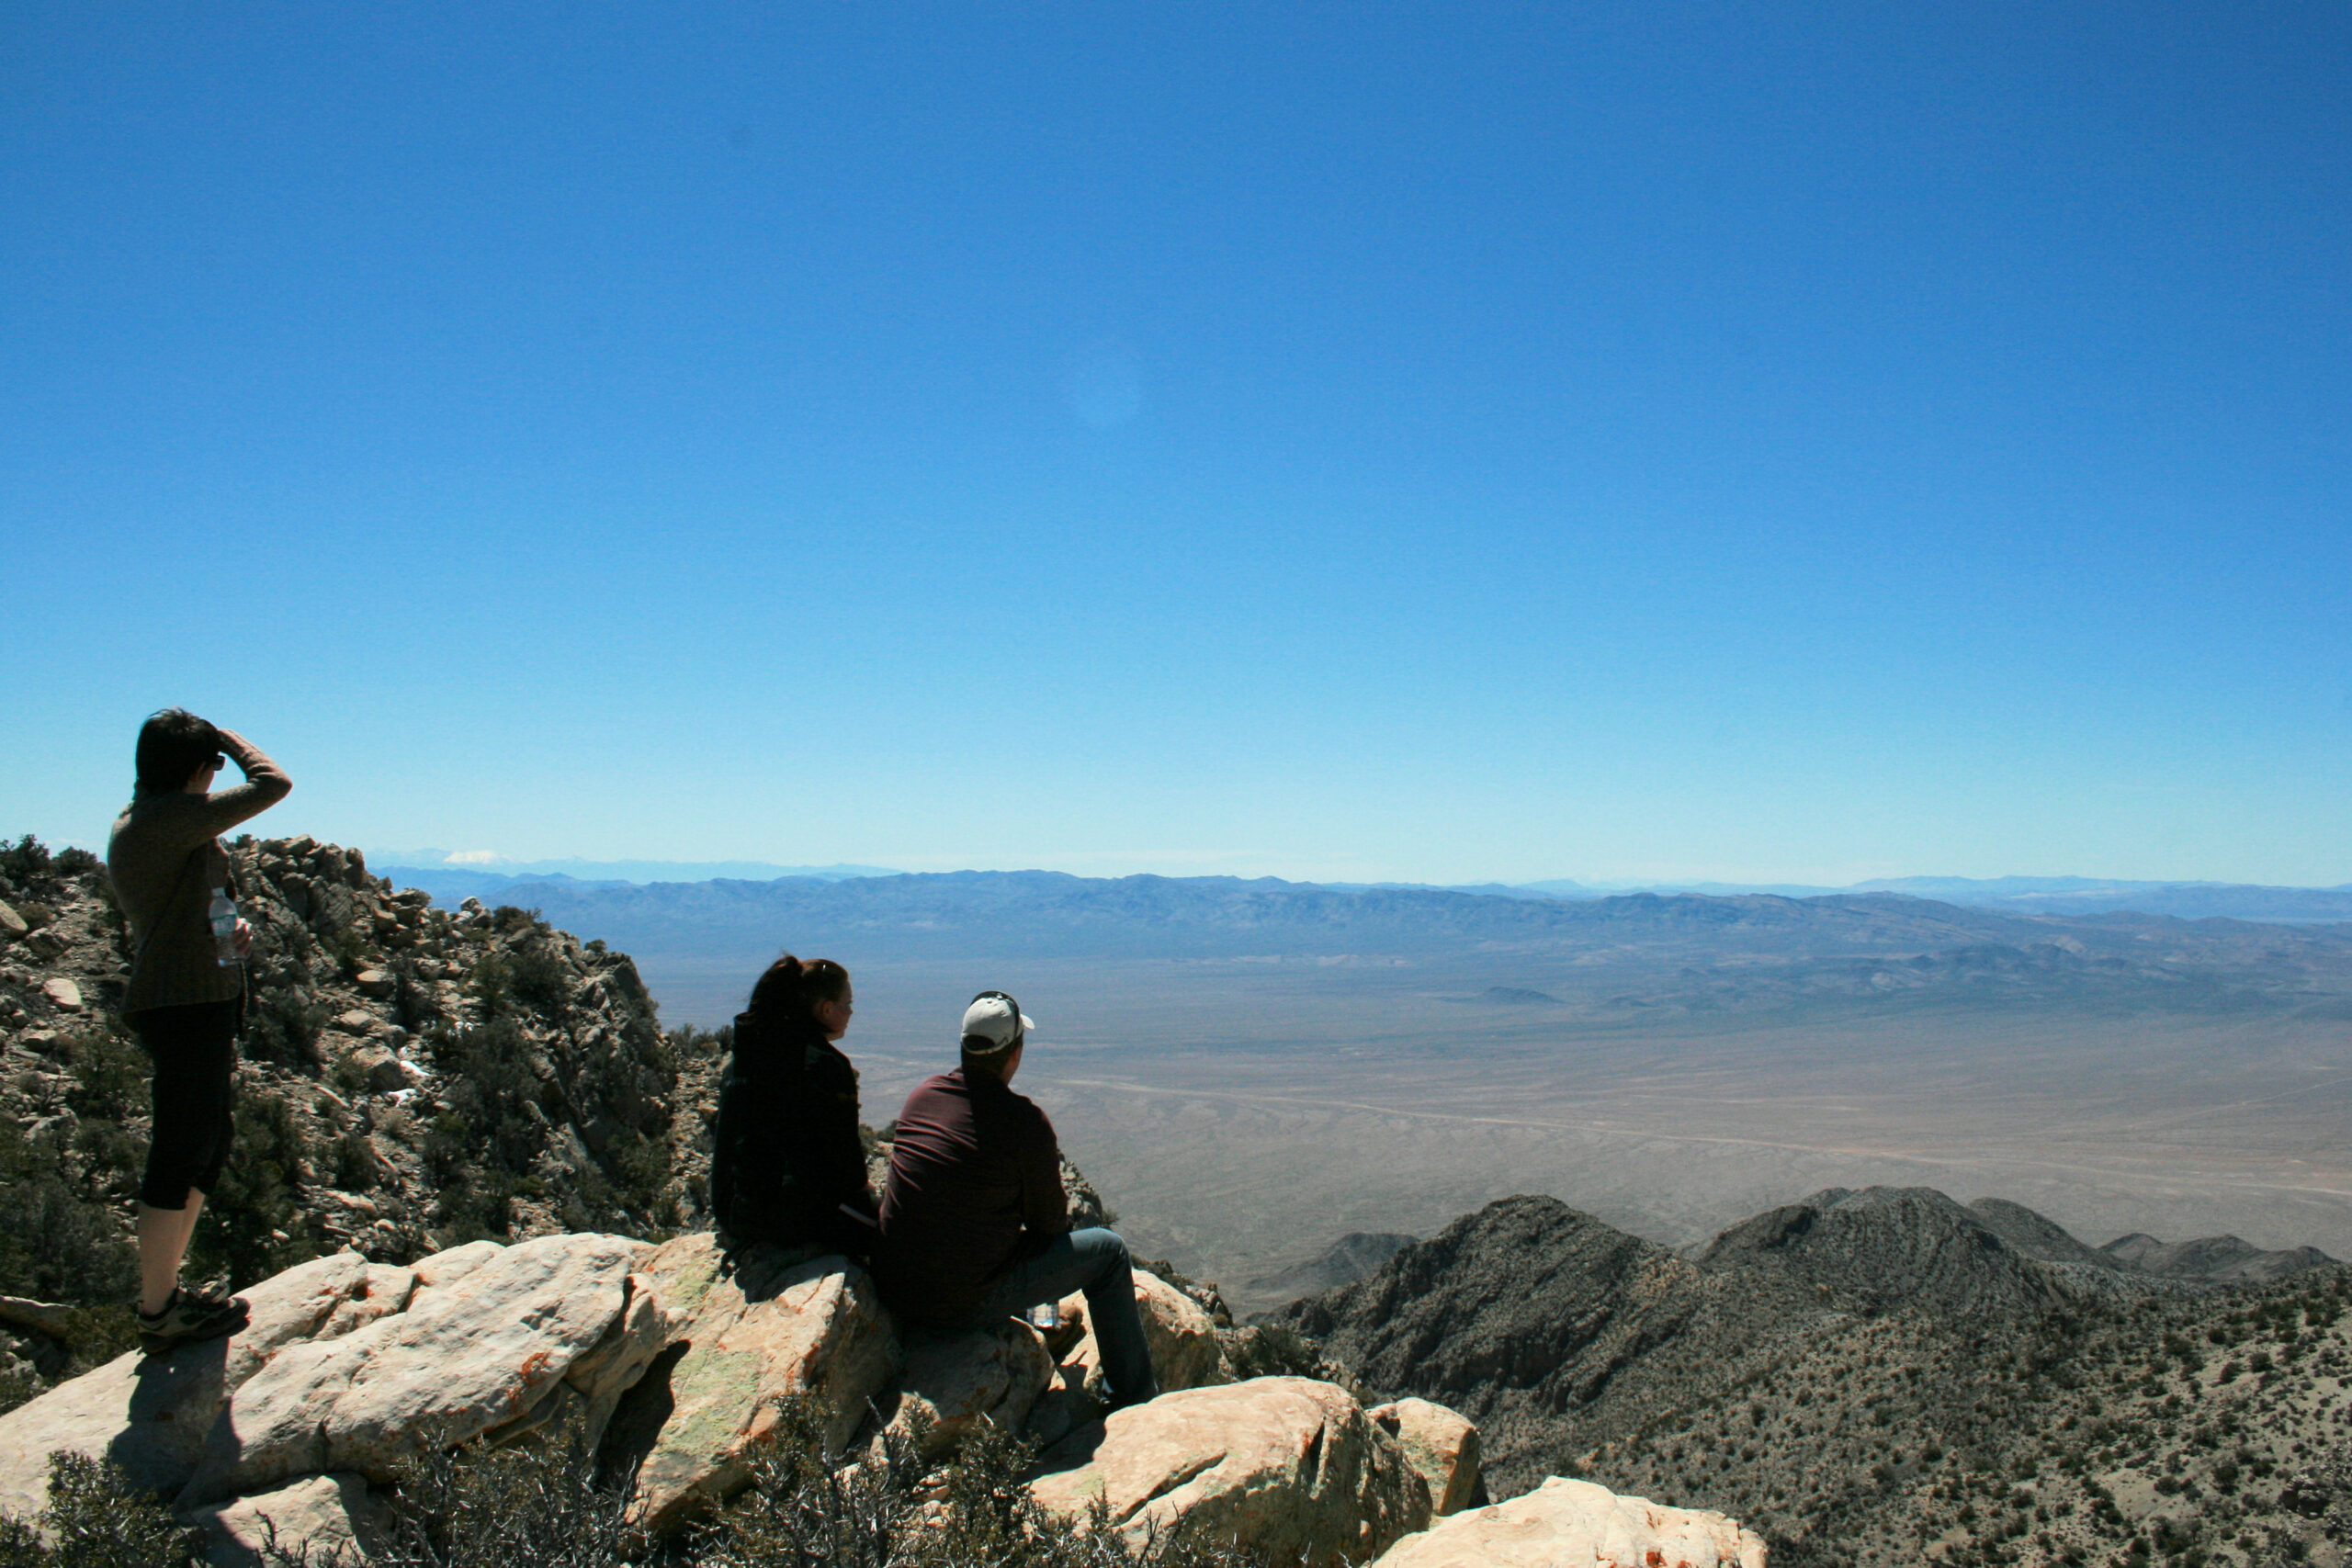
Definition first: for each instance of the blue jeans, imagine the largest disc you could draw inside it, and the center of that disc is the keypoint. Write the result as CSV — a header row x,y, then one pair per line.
x,y
1094,1261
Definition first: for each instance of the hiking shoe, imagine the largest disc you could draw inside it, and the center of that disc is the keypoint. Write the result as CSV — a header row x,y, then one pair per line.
x,y
188,1316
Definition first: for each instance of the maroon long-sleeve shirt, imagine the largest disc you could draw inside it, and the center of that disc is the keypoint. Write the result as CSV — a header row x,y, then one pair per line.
x,y
976,1185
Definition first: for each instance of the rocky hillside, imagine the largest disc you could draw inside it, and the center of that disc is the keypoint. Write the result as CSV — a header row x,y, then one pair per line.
x,y
671,1406
1880,1377
414,1078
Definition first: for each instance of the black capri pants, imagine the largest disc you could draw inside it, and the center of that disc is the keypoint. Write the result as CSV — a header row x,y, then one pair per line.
x,y
194,1048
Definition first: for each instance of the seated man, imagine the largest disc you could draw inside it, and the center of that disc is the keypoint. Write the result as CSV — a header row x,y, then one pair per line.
x,y
975,1225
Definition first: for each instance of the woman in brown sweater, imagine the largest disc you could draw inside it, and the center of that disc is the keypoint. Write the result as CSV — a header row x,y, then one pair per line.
x,y
186,999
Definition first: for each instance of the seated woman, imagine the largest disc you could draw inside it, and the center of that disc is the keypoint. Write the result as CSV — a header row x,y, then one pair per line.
x,y
787,1166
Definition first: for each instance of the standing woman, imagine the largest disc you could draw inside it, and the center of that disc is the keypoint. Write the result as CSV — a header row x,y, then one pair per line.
x,y
787,1166
187,996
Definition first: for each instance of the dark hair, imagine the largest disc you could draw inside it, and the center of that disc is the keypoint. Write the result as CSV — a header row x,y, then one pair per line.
x,y
172,745
792,989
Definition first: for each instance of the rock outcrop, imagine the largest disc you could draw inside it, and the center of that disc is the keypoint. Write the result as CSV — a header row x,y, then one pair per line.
x,y
681,1365
1185,1353
321,1515
953,1383
1442,1447
412,1077
152,1415
1291,1466
740,1341
441,1366
1563,1523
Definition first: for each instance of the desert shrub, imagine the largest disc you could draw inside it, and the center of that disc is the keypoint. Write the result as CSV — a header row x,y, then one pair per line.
x,y
543,1506
526,1507
496,1124
253,1224
95,1519
640,1168
539,978
25,863
509,921
351,948
356,1165
283,1024
58,1243
1270,1350
492,980
806,1509
17,1385
109,1075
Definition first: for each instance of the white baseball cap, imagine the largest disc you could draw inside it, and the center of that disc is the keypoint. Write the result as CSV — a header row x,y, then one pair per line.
x,y
996,1019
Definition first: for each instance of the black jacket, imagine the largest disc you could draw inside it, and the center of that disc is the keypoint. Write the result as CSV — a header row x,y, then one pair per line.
x,y
787,1155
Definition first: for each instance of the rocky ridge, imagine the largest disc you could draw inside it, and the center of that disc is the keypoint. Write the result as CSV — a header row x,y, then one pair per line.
x,y
458,1163
683,1372
1876,1377
413,1078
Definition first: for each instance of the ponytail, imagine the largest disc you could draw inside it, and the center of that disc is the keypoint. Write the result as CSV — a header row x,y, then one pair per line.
x,y
791,988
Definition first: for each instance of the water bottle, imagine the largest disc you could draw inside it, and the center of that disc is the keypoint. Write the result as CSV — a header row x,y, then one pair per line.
x,y
223,916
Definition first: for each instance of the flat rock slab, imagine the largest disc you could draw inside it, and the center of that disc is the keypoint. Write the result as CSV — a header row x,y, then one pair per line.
x,y
1289,1467
740,1343
467,1356
1574,1524
151,1415
1441,1445
320,1514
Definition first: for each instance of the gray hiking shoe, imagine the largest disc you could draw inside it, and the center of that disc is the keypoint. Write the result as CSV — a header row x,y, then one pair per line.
x,y
189,1317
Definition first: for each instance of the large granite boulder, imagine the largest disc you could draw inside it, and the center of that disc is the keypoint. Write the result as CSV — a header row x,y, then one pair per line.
x,y
743,1339
465,1358
1574,1524
151,1415
954,1381
1288,1466
323,1514
1184,1354
1441,1445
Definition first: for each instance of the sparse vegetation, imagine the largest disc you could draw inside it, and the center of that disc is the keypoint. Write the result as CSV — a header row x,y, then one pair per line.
x,y
1879,1389
411,1078
541,1505
96,1520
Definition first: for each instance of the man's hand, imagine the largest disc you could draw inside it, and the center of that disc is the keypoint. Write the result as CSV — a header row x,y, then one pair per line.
x,y
244,939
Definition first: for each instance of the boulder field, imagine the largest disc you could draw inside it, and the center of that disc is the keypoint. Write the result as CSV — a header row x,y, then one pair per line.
x,y
675,1365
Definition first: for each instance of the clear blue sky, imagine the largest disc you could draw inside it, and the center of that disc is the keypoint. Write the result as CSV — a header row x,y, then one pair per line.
x,y
1422,441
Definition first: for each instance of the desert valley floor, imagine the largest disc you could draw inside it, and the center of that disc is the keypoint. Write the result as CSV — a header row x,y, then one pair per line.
x,y
1243,1115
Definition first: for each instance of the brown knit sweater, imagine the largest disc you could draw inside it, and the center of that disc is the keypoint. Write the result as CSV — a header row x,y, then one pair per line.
x,y
165,859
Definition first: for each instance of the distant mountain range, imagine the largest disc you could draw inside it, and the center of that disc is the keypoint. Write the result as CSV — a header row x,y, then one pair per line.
x,y
453,877
1627,954
2021,895
2075,896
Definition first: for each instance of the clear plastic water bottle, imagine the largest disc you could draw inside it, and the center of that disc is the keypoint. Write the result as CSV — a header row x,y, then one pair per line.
x,y
223,916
